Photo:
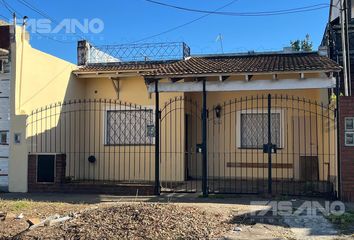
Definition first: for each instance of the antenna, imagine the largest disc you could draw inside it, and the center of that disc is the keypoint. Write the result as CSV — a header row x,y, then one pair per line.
x,y
220,39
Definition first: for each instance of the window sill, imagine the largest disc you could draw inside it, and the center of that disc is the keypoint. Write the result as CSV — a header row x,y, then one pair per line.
x,y
250,148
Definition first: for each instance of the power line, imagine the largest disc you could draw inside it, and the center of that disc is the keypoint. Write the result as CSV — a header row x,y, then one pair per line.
x,y
9,8
6,18
185,24
12,10
27,4
249,14
44,14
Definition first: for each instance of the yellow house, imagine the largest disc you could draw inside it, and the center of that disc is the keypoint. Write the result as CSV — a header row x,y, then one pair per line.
x,y
151,117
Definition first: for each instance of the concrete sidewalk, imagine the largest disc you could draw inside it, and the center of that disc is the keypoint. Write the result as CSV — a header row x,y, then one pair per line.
x,y
98,198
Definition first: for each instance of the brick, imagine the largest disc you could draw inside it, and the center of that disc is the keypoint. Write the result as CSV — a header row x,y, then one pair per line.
x,y
60,186
346,153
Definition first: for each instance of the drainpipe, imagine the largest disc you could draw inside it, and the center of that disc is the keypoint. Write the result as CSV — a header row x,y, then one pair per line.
x,y
339,170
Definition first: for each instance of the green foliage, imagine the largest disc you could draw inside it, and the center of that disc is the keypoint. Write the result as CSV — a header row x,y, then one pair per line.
x,y
305,45
344,221
296,45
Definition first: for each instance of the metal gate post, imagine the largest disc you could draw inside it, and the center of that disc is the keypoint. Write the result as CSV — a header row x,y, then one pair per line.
x,y
157,139
339,170
204,150
269,145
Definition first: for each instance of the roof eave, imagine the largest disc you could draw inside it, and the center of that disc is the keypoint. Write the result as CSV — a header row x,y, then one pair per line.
x,y
191,75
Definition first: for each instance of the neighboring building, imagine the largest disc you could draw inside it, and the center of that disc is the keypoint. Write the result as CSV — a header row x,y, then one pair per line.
x,y
333,40
5,76
94,127
37,78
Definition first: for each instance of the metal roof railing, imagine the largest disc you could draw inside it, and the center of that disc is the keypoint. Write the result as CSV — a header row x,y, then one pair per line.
x,y
138,52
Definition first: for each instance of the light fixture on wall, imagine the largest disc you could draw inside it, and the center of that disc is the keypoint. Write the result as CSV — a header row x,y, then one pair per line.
x,y
218,111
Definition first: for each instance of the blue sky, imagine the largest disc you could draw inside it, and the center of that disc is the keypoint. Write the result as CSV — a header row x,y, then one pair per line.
x,y
126,21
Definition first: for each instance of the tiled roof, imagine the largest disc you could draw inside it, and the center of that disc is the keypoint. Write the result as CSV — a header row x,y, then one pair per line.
x,y
251,63
130,66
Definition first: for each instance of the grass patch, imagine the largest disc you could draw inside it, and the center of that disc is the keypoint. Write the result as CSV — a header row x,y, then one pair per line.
x,y
20,205
15,205
343,222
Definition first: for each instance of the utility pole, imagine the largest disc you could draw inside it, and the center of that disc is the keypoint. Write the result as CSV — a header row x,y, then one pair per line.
x,y
344,37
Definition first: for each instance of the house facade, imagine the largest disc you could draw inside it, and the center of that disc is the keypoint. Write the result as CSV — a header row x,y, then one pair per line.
x,y
158,119
236,123
332,38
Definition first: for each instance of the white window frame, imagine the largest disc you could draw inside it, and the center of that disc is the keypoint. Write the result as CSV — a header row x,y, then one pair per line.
x,y
349,119
124,108
259,111
348,131
345,137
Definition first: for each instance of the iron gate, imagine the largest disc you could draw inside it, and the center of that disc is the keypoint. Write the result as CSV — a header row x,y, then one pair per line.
x,y
180,155
262,144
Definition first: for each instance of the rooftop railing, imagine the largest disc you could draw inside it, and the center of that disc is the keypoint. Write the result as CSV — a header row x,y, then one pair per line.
x,y
138,52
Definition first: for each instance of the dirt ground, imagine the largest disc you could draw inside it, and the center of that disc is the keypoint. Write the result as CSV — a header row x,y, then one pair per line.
x,y
10,226
140,220
115,221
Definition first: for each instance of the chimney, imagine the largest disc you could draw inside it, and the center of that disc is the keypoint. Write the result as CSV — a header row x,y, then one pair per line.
x,y
323,51
83,48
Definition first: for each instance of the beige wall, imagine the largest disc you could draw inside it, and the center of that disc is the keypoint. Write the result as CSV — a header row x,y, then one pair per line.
x,y
84,137
38,79
79,133
309,134
78,130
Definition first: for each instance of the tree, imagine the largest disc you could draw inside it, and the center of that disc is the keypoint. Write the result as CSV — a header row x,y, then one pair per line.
x,y
303,45
295,45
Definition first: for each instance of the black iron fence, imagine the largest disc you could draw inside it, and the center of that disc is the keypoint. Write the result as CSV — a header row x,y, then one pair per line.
x,y
104,140
262,144
272,144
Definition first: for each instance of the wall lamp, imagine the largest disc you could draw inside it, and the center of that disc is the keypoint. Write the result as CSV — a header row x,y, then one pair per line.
x,y
218,111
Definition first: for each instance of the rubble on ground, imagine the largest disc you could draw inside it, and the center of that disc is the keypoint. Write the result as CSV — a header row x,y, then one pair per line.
x,y
135,221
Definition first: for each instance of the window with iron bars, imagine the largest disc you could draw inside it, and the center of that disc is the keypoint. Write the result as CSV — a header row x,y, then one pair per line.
x,y
130,127
254,129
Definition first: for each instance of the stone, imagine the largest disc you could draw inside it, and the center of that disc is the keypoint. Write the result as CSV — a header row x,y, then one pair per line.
x,y
238,229
33,221
2,216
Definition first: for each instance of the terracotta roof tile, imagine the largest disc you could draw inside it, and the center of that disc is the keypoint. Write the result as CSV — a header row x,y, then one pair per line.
x,y
256,63
129,66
